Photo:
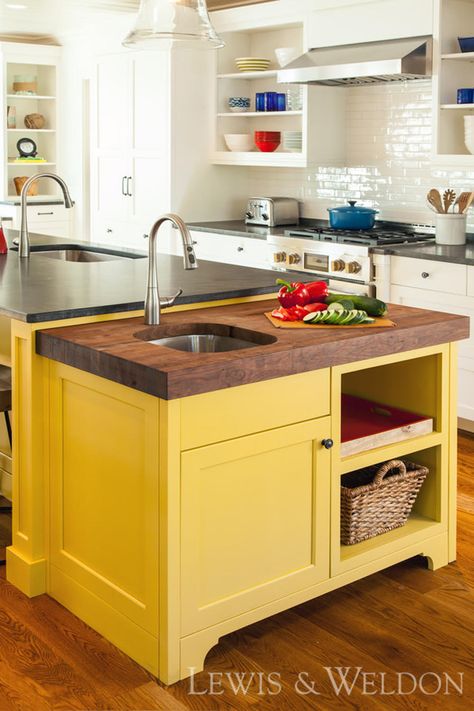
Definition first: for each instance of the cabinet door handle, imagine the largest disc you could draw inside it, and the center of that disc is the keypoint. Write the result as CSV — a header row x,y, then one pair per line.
x,y
129,180
123,185
425,275
45,213
328,443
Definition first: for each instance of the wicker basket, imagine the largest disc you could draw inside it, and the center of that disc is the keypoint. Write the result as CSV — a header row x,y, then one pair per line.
x,y
378,499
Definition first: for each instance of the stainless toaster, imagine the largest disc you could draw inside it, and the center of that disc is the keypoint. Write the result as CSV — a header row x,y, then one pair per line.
x,y
272,211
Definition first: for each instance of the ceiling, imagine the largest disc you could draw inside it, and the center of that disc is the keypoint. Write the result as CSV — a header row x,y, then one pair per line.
x,y
41,19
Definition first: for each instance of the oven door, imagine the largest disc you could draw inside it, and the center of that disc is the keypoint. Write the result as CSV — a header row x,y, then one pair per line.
x,y
344,286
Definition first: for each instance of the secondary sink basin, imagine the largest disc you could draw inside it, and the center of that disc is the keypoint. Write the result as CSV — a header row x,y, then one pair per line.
x,y
204,337
81,254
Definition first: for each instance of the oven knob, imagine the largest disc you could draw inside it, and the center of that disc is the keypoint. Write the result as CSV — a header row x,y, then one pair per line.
x,y
249,215
294,258
338,265
279,257
265,216
353,267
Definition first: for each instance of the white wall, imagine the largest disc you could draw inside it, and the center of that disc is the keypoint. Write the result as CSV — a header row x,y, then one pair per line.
x,y
388,146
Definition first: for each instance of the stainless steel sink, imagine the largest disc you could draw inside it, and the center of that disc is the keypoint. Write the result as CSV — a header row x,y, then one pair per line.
x,y
204,343
204,337
76,253
79,255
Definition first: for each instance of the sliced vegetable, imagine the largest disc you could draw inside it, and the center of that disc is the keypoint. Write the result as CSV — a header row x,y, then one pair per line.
x,y
317,306
336,306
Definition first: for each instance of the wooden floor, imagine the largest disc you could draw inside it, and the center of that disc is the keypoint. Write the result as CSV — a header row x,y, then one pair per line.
x,y
406,619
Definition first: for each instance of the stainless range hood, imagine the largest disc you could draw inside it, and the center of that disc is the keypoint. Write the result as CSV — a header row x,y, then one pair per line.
x,y
358,64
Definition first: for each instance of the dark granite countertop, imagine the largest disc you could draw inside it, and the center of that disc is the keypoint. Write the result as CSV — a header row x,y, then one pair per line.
x,y
458,255
463,254
44,289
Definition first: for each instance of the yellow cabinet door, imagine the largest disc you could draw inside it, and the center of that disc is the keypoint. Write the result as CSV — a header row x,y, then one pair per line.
x,y
254,521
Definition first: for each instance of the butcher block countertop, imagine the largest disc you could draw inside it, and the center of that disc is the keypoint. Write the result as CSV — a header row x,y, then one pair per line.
x,y
117,351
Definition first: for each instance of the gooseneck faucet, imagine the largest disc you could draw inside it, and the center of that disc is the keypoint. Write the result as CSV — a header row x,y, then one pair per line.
x,y
24,247
153,302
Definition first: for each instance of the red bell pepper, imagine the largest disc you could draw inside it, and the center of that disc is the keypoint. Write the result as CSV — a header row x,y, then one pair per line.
x,y
294,294
293,313
317,290
316,306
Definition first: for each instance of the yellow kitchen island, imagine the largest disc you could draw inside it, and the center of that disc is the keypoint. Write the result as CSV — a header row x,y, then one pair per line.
x,y
188,495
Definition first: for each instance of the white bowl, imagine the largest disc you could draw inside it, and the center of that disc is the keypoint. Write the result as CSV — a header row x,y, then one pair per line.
x,y
285,55
242,142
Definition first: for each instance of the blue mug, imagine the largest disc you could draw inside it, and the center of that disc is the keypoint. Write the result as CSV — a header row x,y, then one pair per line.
x,y
465,96
260,101
271,101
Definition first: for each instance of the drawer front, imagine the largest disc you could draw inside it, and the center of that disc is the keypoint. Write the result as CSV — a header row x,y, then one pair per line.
x,y
53,229
235,412
430,275
48,213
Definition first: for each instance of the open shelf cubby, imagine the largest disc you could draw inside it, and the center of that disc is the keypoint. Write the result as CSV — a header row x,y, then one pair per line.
x,y
428,517
411,385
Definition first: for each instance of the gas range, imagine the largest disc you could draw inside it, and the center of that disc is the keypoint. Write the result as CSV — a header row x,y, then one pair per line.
x,y
340,255
377,237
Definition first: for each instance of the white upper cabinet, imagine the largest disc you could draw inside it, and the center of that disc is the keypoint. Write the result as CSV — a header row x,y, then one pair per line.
x,y
369,22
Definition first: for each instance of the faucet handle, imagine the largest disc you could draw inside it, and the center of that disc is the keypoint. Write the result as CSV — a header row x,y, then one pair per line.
x,y
166,301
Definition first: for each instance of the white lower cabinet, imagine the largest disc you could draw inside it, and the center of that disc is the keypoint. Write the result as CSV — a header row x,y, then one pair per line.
x,y
228,249
54,220
448,300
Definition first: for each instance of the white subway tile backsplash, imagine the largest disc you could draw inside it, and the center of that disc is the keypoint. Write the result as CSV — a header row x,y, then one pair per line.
x,y
388,139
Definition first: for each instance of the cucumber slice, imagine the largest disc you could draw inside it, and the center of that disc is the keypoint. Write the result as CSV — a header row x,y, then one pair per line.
x,y
341,316
309,318
361,316
326,316
368,320
348,316
336,306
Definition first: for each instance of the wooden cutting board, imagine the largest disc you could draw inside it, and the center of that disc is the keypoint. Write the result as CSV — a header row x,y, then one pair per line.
x,y
379,323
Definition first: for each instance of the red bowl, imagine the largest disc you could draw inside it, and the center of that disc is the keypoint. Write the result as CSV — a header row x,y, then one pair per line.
x,y
267,146
268,135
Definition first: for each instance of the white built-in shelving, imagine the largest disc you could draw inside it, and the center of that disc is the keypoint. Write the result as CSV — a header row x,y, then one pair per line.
x,y
452,71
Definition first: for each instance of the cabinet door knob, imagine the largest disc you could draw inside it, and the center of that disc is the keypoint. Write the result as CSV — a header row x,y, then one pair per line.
x,y
109,230
328,443
240,249
425,275
194,241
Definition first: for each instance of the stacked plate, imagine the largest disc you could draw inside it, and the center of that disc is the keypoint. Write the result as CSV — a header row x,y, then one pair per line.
x,y
293,141
469,133
252,64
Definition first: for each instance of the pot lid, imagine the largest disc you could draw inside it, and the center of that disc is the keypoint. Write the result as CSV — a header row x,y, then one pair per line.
x,y
353,210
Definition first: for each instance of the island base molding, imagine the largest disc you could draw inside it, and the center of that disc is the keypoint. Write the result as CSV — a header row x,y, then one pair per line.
x,y
26,575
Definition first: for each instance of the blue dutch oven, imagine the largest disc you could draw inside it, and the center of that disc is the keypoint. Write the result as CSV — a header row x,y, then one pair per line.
x,y
351,217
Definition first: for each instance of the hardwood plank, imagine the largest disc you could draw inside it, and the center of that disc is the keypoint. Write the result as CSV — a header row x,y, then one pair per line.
x,y
120,351
406,618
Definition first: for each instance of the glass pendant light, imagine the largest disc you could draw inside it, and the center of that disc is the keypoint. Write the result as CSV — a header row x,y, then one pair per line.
x,y
182,22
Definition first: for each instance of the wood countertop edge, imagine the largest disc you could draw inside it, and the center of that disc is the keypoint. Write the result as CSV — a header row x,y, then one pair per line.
x,y
251,366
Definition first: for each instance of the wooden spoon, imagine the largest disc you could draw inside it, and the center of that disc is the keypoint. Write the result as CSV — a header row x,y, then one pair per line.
x,y
461,202
434,199
468,203
449,197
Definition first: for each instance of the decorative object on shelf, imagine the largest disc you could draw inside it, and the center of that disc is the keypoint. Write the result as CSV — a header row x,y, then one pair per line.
x,y
27,148
183,23
240,142
285,55
267,141
352,217
25,84
465,96
11,116
469,133
260,101
271,101
35,121
252,64
281,102
466,44
294,98
238,104
293,141
378,499
19,183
